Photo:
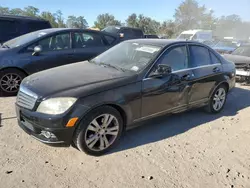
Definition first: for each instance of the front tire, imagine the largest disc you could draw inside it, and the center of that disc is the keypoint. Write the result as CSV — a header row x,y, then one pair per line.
x,y
217,100
99,131
10,80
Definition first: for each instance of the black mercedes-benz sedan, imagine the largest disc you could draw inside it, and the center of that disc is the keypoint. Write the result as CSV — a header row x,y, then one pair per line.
x,y
45,49
91,103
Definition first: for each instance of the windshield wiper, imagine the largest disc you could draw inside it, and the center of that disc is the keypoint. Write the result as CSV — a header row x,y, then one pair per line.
x,y
4,46
112,66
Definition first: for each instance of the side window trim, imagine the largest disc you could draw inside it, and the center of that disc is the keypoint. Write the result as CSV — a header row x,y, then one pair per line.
x,y
146,76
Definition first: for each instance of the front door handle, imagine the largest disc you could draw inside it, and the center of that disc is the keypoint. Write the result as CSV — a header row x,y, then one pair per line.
x,y
185,77
216,69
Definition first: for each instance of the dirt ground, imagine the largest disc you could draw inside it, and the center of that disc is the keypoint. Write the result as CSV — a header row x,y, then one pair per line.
x,y
190,150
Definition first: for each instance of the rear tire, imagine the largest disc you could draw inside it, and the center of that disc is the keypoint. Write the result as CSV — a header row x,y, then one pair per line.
x,y
99,131
10,80
217,100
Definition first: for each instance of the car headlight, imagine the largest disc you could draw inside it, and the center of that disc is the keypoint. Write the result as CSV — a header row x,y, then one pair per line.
x,y
56,106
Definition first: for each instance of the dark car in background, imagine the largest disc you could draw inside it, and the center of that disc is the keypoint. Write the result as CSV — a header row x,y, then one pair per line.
x,y
91,103
45,49
125,33
14,26
241,58
225,46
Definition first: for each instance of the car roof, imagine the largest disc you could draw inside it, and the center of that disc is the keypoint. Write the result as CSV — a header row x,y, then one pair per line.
x,y
22,18
161,42
124,27
52,30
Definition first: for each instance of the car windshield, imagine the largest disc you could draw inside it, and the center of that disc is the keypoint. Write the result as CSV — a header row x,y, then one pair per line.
x,y
243,51
112,29
128,56
19,41
229,44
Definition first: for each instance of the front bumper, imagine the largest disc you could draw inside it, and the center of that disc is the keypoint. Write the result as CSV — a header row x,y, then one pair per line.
x,y
47,129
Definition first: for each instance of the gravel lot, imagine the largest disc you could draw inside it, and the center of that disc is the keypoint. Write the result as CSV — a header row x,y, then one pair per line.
x,y
192,149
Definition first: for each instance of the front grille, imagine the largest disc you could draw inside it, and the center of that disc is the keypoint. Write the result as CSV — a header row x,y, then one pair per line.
x,y
26,98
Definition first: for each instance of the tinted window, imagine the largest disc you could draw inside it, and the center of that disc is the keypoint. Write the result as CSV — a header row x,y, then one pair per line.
x,y
199,56
109,39
214,59
137,33
127,33
56,42
8,27
176,58
87,40
35,26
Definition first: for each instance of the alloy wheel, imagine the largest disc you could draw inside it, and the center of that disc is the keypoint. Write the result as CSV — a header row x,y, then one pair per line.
x,y
219,99
101,132
10,82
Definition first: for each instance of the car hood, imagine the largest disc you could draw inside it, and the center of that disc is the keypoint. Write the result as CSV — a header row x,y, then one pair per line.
x,y
76,80
237,59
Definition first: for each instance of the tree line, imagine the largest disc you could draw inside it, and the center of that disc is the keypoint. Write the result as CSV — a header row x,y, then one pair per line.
x,y
188,15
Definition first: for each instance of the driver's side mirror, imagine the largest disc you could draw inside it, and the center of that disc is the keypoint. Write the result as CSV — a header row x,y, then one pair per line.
x,y
37,50
161,71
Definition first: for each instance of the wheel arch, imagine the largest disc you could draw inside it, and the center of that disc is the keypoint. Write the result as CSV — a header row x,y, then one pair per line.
x,y
115,106
223,83
15,68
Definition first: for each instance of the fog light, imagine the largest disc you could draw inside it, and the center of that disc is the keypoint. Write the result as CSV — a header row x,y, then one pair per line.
x,y
47,134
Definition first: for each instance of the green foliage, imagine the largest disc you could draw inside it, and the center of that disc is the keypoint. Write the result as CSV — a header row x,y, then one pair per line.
x,y
104,20
148,25
77,22
190,15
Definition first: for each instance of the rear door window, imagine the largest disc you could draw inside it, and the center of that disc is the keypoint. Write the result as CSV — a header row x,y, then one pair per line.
x,y
8,27
214,59
87,40
199,56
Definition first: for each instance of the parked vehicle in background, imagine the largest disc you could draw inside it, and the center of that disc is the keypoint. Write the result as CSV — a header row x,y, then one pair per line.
x,y
91,103
151,36
241,58
14,26
210,43
225,46
125,33
196,35
45,49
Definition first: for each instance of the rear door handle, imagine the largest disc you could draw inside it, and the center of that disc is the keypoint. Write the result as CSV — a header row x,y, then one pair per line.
x,y
216,69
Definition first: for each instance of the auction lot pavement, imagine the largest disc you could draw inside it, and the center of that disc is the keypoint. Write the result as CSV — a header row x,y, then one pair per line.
x,y
192,149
